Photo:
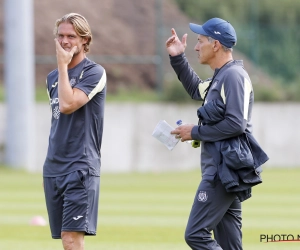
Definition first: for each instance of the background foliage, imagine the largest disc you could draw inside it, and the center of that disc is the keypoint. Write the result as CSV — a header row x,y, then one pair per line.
x,y
267,33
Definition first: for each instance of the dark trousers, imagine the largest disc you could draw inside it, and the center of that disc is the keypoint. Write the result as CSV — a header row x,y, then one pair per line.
x,y
214,210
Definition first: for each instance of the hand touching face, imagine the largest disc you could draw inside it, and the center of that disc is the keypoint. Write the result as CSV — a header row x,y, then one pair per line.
x,y
68,43
63,56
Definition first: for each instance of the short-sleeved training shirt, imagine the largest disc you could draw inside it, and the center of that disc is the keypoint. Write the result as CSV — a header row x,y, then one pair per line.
x,y
75,139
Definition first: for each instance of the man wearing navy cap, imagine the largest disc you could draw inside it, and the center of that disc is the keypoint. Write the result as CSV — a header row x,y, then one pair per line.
x,y
214,209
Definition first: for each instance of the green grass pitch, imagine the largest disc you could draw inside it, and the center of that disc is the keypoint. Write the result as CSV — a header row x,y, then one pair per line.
x,y
148,211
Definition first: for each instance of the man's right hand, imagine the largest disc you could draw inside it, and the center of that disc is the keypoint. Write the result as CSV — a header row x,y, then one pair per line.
x,y
174,45
63,57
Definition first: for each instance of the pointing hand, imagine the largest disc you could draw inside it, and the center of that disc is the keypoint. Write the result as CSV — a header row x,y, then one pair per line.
x,y
174,45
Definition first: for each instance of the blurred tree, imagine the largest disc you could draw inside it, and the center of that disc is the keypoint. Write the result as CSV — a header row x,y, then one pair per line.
x,y
267,30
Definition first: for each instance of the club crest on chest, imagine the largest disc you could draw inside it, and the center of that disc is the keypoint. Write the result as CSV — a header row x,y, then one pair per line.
x,y
72,81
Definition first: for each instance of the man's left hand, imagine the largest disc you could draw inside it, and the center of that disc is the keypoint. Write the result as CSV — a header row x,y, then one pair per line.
x,y
183,132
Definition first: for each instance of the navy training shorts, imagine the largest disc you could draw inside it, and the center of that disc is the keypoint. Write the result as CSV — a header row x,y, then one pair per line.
x,y
72,203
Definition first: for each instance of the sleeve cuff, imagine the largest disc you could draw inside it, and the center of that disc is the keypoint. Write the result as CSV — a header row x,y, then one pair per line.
x,y
176,58
195,133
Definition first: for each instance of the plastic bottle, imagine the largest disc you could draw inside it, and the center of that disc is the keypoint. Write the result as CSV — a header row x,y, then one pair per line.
x,y
179,123
194,143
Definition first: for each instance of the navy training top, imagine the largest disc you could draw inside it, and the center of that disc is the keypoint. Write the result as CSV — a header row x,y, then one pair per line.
x,y
232,86
75,139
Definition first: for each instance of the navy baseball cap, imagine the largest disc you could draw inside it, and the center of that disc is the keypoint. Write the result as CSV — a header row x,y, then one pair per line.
x,y
218,29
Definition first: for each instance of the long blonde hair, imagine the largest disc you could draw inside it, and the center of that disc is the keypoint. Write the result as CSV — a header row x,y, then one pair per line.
x,y
80,25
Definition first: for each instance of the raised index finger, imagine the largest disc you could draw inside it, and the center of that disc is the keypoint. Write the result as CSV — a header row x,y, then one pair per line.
x,y
56,41
173,32
58,47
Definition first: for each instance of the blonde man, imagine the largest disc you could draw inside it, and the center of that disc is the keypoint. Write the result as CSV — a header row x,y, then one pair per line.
x,y
77,91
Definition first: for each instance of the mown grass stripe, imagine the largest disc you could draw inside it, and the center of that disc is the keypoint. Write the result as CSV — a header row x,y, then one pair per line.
x,y
147,211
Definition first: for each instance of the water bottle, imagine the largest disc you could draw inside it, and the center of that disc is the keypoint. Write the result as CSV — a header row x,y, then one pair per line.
x,y
194,143
179,123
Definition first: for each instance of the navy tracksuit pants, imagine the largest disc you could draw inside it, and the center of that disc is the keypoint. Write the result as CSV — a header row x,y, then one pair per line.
x,y
215,210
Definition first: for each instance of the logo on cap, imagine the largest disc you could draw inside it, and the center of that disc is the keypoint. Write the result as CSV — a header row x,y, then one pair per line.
x,y
218,29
